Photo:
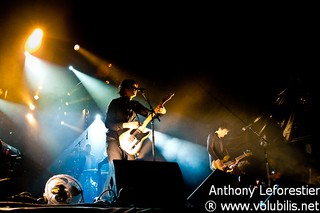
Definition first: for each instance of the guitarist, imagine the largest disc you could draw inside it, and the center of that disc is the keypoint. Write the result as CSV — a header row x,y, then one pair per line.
x,y
218,154
122,114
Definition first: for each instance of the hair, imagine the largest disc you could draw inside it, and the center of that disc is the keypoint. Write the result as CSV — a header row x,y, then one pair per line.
x,y
125,84
222,125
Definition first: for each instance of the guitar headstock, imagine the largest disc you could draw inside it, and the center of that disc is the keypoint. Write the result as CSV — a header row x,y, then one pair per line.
x,y
167,98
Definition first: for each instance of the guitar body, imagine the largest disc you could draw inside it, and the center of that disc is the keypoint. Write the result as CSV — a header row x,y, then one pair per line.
x,y
132,143
230,165
132,139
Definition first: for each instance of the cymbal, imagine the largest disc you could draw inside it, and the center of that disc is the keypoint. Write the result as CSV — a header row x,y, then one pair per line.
x,y
90,170
104,173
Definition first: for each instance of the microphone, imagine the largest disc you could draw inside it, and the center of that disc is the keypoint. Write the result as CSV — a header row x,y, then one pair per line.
x,y
141,89
246,127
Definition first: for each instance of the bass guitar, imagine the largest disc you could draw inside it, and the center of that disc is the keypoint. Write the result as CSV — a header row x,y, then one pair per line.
x,y
132,139
230,165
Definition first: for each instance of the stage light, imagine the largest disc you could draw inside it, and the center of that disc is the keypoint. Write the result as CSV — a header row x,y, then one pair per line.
x,y
32,106
85,112
76,47
29,116
63,189
71,68
34,41
98,117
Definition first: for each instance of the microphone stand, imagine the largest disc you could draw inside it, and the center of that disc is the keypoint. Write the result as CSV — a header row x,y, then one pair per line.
x,y
152,125
264,143
78,148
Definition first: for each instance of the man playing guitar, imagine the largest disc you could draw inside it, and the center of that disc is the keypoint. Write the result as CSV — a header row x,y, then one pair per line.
x,y
218,154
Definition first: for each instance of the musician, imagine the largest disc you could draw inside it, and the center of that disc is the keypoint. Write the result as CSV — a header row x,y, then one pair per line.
x,y
89,160
121,115
218,154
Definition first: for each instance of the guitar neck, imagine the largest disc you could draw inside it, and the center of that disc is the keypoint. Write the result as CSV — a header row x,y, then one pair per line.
x,y
151,115
145,122
240,157
236,159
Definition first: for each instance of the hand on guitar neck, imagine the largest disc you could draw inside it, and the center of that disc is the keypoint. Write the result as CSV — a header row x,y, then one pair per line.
x,y
160,109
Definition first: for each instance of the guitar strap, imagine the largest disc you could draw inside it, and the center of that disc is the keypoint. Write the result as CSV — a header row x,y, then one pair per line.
x,y
133,117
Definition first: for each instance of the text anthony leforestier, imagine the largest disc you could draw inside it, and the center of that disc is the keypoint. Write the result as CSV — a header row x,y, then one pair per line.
x,y
275,190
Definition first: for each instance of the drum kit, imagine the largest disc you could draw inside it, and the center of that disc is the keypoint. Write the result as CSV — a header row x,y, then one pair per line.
x,y
89,181
72,164
92,181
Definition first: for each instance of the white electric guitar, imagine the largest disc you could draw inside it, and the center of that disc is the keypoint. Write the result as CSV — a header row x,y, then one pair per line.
x,y
132,139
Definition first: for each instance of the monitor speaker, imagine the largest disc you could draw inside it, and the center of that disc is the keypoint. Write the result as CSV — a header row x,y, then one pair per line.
x,y
149,184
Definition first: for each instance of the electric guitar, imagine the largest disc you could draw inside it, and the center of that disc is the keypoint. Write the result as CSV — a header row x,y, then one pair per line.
x,y
230,165
132,139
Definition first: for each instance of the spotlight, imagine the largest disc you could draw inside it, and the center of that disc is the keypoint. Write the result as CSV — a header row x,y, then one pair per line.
x,y
76,47
34,41
63,189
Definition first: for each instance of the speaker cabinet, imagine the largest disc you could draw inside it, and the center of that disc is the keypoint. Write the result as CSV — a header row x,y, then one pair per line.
x,y
149,184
